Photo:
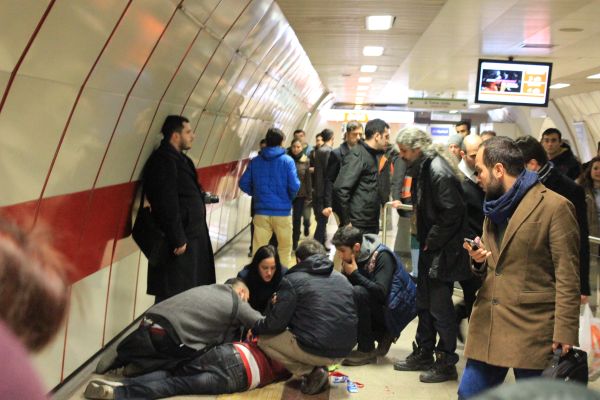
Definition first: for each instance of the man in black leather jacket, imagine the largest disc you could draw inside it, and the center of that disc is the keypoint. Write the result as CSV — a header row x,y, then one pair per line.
x,y
303,329
356,188
441,225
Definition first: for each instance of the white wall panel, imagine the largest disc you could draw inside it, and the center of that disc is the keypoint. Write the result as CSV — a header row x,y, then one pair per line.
x,y
16,28
64,52
121,295
203,129
247,22
213,141
126,142
84,142
227,140
143,301
210,77
131,45
225,84
86,319
31,123
225,15
166,58
201,10
48,362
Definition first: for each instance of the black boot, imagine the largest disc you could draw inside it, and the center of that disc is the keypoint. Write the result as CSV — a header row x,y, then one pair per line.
x,y
419,360
384,344
315,382
444,369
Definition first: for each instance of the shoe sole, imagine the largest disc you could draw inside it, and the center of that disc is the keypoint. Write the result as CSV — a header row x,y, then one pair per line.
x,y
423,367
452,378
350,363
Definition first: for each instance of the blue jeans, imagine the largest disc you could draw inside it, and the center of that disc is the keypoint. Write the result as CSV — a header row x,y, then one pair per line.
x,y
479,376
219,370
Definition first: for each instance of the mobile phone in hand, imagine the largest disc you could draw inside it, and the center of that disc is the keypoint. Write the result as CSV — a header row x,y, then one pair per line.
x,y
472,243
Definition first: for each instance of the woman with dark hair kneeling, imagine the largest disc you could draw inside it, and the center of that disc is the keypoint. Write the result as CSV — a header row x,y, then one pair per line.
x,y
262,276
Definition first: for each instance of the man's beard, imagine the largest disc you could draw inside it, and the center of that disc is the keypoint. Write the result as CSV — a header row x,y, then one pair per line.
x,y
494,190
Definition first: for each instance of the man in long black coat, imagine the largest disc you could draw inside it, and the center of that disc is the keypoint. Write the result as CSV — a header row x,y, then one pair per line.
x,y
184,259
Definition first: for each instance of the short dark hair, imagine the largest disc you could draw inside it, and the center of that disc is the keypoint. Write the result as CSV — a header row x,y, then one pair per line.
x,y
274,137
352,125
503,150
294,141
552,131
309,247
375,126
263,141
326,134
489,133
172,124
319,135
347,236
464,122
298,131
532,150
233,281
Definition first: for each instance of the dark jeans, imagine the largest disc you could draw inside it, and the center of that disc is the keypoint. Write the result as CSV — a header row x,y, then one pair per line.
x,y
321,230
479,376
299,211
371,322
436,315
470,288
219,370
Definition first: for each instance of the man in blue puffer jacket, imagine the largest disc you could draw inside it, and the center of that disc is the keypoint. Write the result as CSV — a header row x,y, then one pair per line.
x,y
272,181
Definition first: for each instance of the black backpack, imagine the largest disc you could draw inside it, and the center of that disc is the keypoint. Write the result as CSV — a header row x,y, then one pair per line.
x,y
571,367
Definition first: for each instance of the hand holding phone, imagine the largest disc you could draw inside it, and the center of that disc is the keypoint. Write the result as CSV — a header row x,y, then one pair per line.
x,y
472,243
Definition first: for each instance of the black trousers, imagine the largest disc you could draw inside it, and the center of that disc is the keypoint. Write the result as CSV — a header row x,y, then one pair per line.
x,y
321,229
219,370
436,315
299,211
371,322
470,288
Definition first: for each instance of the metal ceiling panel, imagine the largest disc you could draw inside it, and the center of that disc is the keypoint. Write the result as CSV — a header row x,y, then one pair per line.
x,y
200,10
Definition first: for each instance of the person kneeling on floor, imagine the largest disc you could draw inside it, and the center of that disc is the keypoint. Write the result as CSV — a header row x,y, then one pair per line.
x,y
370,269
303,328
177,328
227,368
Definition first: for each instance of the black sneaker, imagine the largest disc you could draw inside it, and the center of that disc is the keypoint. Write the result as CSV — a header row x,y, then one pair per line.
x,y
315,382
419,360
442,370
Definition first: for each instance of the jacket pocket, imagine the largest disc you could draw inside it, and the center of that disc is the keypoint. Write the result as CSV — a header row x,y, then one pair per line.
x,y
537,297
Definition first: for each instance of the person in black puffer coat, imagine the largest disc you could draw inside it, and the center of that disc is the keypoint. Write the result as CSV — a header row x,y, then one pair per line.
x,y
302,329
262,276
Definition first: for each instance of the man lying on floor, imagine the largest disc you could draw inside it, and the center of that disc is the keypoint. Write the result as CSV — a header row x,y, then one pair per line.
x,y
227,368
179,327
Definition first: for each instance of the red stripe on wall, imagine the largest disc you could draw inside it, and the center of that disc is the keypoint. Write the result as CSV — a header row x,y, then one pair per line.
x,y
63,214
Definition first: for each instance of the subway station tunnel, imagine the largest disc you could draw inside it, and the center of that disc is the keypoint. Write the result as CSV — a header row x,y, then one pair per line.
x,y
85,87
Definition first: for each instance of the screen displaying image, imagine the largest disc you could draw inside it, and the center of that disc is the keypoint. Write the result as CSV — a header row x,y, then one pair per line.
x,y
513,82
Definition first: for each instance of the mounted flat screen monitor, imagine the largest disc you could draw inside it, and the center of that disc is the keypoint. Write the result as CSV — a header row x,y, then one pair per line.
x,y
513,83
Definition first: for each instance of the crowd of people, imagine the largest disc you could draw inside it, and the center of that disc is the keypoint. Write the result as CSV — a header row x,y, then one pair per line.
x,y
506,219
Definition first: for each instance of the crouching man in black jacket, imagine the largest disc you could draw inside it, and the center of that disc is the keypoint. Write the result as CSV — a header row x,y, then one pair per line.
x,y
302,330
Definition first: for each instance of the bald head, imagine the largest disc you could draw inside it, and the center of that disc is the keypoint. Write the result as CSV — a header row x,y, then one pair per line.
x,y
468,152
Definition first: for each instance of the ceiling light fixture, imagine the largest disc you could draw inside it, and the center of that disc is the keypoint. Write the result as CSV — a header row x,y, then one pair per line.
x,y
595,76
474,106
362,88
372,51
560,85
368,68
365,79
379,22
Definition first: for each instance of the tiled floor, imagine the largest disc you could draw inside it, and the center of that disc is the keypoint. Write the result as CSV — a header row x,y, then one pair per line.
x,y
380,380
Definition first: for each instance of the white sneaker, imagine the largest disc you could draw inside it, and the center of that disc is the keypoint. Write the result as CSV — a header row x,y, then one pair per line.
x,y
99,391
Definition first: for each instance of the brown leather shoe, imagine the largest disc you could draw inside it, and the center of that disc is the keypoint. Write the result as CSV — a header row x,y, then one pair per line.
x,y
315,382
